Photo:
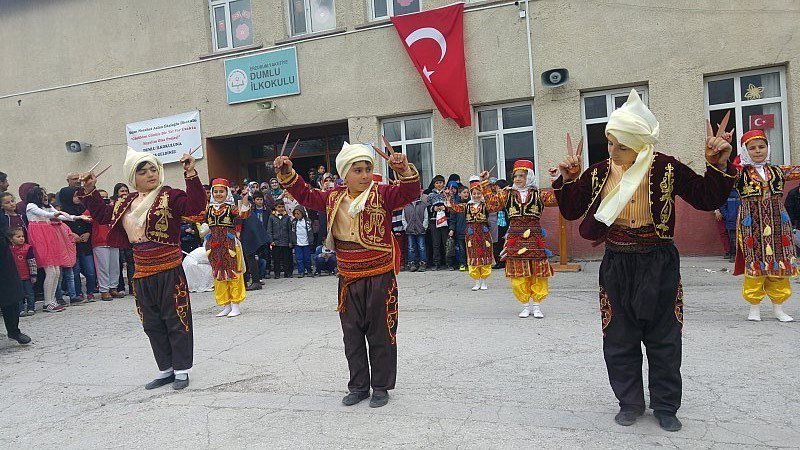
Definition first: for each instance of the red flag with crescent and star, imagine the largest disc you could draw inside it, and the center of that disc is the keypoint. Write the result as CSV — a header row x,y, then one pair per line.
x,y
762,121
434,41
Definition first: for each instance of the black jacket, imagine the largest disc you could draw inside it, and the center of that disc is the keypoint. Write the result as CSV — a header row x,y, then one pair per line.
x,y
255,232
280,229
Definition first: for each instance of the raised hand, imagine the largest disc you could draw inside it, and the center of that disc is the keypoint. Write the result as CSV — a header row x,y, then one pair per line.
x,y
570,167
188,162
283,165
484,175
718,146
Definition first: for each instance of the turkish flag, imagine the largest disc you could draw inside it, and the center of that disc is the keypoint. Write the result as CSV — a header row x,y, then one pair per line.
x,y
434,41
762,121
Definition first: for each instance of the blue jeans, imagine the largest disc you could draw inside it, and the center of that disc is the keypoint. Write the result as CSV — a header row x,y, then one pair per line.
x,y
416,248
461,252
68,281
85,264
27,297
303,255
322,264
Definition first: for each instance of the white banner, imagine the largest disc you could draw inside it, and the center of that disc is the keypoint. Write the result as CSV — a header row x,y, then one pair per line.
x,y
168,138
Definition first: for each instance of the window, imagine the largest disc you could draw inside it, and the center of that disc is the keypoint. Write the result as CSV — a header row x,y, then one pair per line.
x,y
311,16
231,23
505,134
757,100
383,9
414,137
595,109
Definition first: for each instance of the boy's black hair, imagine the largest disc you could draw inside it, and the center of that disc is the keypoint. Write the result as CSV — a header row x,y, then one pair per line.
x,y
3,176
4,195
280,203
257,194
463,188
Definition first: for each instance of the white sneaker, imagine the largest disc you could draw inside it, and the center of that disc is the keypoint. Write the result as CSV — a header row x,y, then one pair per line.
x,y
477,285
225,311
234,310
780,315
526,311
483,285
537,311
755,313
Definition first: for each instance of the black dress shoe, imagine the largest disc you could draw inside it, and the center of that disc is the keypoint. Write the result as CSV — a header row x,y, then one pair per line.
x,y
22,338
627,417
179,383
668,421
379,398
354,397
158,382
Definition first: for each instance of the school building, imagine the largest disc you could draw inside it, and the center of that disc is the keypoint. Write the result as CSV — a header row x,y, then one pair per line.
x,y
82,70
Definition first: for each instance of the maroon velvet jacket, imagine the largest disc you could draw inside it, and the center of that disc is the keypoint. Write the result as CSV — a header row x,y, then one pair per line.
x,y
375,222
668,178
163,223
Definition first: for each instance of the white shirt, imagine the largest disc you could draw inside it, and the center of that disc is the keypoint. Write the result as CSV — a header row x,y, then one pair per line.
x,y
302,233
37,214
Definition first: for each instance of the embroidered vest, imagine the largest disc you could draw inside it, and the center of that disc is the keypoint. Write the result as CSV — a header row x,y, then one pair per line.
x,y
748,186
221,217
531,208
476,216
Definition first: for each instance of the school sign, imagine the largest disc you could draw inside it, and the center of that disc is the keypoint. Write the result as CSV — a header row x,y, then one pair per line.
x,y
263,75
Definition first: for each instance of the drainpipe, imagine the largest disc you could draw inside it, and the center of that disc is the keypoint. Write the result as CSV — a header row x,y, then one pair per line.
x,y
530,47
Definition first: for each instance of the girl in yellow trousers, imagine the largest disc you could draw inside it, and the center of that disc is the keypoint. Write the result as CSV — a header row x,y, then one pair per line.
x,y
765,254
224,249
479,243
524,252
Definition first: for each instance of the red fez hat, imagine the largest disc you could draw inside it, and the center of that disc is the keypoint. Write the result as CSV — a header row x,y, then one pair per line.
x,y
376,177
523,164
753,134
221,182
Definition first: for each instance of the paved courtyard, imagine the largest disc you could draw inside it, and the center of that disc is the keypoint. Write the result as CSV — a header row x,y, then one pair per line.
x,y
471,374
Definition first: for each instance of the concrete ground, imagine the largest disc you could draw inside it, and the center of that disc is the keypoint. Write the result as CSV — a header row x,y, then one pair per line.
x,y
471,374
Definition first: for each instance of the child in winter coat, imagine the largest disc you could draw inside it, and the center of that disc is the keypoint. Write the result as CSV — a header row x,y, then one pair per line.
x,y
458,230
26,266
280,229
415,222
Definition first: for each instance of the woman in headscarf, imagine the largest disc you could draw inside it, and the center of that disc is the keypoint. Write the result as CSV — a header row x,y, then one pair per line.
x,y
628,201
766,253
150,220
275,190
84,261
524,252
360,231
125,253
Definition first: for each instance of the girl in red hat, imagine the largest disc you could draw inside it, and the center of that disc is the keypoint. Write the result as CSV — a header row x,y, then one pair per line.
x,y
480,256
224,249
524,252
765,254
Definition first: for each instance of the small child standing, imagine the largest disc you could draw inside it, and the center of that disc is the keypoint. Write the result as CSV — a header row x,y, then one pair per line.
x,y
224,249
415,222
458,229
280,229
302,233
525,252
480,254
26,266
766,253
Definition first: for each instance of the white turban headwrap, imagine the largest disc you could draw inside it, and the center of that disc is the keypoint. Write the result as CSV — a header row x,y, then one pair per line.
x,y
349,155
635,127
132,161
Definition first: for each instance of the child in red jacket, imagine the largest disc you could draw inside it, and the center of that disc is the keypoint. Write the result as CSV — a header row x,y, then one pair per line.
x,y
26,266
